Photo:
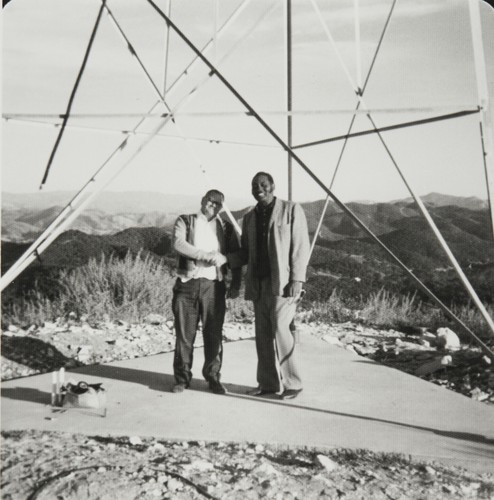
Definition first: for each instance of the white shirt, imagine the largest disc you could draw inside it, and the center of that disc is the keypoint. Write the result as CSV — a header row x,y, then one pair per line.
x,y
205,238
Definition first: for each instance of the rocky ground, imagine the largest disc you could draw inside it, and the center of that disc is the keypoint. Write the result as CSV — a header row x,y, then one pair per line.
x,y
70,466
45,465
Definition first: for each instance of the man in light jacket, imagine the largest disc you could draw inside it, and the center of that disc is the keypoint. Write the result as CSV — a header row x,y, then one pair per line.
x,y
275,246
201,241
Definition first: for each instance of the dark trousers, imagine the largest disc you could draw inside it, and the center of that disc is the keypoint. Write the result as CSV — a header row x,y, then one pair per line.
x,y
194,300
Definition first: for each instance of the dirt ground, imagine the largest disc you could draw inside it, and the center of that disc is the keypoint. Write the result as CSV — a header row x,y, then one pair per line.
x,y
48,465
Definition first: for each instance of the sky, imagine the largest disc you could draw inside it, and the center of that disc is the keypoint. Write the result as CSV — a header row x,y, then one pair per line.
x,y
424,68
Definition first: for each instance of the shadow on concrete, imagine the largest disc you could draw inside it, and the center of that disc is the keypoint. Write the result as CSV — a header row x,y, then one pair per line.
x,y
33,353
26,394
464,436
164,383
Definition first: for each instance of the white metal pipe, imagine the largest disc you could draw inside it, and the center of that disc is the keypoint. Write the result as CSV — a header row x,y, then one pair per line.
x,y
486,113
358,59
212,140
167,50
227,114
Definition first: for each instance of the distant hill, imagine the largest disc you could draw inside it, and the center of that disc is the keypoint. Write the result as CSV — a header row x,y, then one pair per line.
x,y
441,200
343,251
74,248
25,216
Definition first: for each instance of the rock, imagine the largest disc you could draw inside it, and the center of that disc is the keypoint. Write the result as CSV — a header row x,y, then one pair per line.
x,y
478,394
199,465
155,319
430,470
327,463
174,484
364,350
13,329
486,360
135,440
330,339
447,339
84,353
264,471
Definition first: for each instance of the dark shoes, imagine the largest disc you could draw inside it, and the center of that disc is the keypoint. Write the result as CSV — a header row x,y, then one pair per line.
x,y
217,387
290,393
259,392
178,388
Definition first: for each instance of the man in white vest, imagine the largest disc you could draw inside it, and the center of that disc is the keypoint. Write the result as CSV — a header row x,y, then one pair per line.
x,y
201,241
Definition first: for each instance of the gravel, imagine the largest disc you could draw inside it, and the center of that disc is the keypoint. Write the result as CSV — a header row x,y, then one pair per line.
x,y
48,465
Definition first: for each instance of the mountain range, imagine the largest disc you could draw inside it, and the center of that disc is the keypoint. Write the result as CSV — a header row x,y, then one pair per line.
x,y
24,216
343,251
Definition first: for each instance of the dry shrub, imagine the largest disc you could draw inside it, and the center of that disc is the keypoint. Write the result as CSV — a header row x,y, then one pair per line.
x,y
105,288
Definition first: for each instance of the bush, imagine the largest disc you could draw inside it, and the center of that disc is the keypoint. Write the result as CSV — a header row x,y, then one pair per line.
x,y
390,310
105,288
332,310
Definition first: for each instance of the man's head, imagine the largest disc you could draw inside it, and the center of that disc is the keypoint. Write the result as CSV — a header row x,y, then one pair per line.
x,y
212,203
263,188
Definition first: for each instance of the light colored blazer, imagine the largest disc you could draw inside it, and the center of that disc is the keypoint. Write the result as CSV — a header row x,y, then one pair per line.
x,y
288,248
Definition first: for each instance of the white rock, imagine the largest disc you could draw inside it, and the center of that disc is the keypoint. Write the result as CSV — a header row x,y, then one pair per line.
x,y
174,484
84,353
447,339
135,440
158,447
162,479
199,465
327,463
486,360
264,470
331,339
430,470
13,329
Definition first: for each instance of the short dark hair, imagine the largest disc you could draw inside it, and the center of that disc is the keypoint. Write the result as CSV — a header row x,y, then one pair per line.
x,y
269,176
213,194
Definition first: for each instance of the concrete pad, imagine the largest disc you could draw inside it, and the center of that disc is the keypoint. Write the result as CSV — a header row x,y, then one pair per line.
x,y
348,401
